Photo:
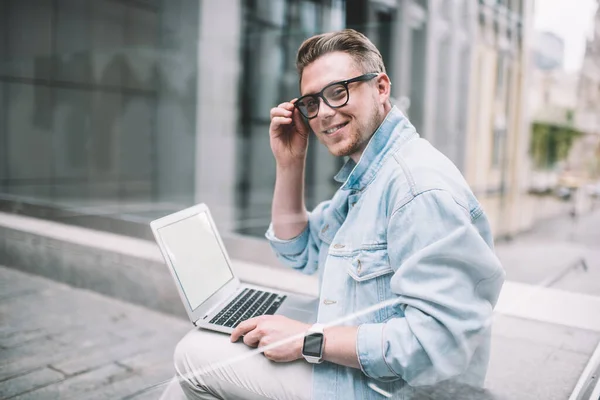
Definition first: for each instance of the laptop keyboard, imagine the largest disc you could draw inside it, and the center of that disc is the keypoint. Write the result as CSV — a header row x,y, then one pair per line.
x,y
249,303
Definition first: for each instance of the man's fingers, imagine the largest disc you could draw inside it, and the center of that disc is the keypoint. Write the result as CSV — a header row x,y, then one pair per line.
x,y
277,121
243,328
297,118
252,338
288,105
280,112
264,341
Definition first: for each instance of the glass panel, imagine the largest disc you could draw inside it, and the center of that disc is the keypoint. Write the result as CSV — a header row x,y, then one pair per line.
x,y
417,81
269,78
4,161
97,94
385,39
443,136
72,133
29,130
28,39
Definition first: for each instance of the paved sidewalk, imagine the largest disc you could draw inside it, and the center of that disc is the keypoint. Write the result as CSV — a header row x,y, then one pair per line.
x,y
550,255
57,342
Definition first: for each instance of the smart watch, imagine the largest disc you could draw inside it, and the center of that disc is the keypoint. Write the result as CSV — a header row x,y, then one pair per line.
x,y
314,343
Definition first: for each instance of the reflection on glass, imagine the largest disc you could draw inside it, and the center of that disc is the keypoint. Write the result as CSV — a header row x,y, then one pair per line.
x,y
97,107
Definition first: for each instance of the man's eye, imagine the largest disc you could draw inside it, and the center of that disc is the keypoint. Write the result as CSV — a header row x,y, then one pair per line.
x,y
336,92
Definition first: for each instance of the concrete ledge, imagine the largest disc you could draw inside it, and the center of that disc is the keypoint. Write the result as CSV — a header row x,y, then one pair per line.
x,y
105,219
550,305
127,268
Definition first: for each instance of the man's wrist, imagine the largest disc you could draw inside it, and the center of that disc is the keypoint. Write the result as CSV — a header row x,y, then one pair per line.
x,y
293,164
340,346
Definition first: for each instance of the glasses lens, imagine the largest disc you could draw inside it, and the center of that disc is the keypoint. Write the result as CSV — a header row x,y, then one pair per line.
x,y
336,95
309,107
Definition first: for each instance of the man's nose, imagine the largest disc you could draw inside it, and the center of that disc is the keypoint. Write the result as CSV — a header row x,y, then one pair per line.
x,y
325,111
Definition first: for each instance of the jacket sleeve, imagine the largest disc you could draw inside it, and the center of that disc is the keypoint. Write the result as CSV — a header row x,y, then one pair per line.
x,y
447,280
301,252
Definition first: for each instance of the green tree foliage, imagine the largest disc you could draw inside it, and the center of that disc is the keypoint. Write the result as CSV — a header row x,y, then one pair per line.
x,y
551,143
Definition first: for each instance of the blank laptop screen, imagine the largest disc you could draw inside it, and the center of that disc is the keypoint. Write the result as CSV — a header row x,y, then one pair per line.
x,y
197,258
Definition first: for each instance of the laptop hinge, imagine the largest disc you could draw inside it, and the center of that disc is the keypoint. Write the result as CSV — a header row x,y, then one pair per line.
x,y
209,312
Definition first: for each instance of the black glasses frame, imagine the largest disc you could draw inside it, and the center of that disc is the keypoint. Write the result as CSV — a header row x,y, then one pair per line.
x,y
345,83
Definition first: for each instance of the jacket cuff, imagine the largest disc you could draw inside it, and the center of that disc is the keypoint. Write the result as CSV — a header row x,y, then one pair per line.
x,y
369,348
289,247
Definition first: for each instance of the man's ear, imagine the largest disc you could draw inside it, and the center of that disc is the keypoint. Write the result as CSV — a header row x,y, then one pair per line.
x,y
384,87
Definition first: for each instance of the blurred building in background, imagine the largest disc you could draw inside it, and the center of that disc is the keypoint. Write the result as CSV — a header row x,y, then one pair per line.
x,y
553,88
588,108
548,51
125,110
498,130
565,143
552,102
585,158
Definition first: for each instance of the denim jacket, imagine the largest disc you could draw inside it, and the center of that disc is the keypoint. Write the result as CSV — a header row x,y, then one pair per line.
x,y
403,251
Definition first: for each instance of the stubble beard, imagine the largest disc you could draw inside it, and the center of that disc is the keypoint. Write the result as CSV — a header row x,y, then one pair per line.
x,y
358,138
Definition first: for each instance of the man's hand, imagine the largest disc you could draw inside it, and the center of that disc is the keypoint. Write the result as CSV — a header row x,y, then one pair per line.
x,y
288,135
268,329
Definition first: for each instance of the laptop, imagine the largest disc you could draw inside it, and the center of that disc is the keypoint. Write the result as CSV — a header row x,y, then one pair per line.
x,y
213,296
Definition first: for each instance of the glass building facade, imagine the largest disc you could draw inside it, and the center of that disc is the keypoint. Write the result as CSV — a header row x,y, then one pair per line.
x,y
98,98
114,112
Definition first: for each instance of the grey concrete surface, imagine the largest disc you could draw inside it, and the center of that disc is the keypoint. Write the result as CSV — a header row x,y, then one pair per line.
x,y
109,264
551,254
533,360
57,342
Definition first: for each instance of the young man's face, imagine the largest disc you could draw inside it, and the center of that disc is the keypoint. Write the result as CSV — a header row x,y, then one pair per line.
x,y
346,130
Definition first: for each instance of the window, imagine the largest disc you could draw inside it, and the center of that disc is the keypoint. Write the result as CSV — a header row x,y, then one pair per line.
x,y
501,116
271,38
97,107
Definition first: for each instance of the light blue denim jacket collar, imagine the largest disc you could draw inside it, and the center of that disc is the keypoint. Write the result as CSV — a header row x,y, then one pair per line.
x,y
389,135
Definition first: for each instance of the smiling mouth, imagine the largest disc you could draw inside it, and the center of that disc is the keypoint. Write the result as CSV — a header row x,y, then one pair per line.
x,y
335,128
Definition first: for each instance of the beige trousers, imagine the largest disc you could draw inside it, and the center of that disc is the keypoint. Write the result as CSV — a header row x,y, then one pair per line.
x,y
209,366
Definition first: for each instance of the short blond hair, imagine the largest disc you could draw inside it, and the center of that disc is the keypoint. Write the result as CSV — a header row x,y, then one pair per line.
x,y
363,51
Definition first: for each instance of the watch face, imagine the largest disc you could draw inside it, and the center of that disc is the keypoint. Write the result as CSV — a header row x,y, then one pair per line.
x,y
313,345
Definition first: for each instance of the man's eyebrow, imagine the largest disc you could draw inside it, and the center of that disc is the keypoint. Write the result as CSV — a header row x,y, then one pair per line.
x,y
324,86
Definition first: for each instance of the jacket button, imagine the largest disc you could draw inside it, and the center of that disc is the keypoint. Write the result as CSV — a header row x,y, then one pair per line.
x,y
359,268
329,302
338,246
325,229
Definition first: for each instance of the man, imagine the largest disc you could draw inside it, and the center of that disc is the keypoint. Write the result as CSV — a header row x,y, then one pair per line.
x,y
403,251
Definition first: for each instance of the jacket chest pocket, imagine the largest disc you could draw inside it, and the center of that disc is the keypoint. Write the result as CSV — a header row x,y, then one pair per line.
x,y
369,274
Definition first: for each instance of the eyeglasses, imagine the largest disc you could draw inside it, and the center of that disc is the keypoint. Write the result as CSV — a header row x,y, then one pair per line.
x,y
335,95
